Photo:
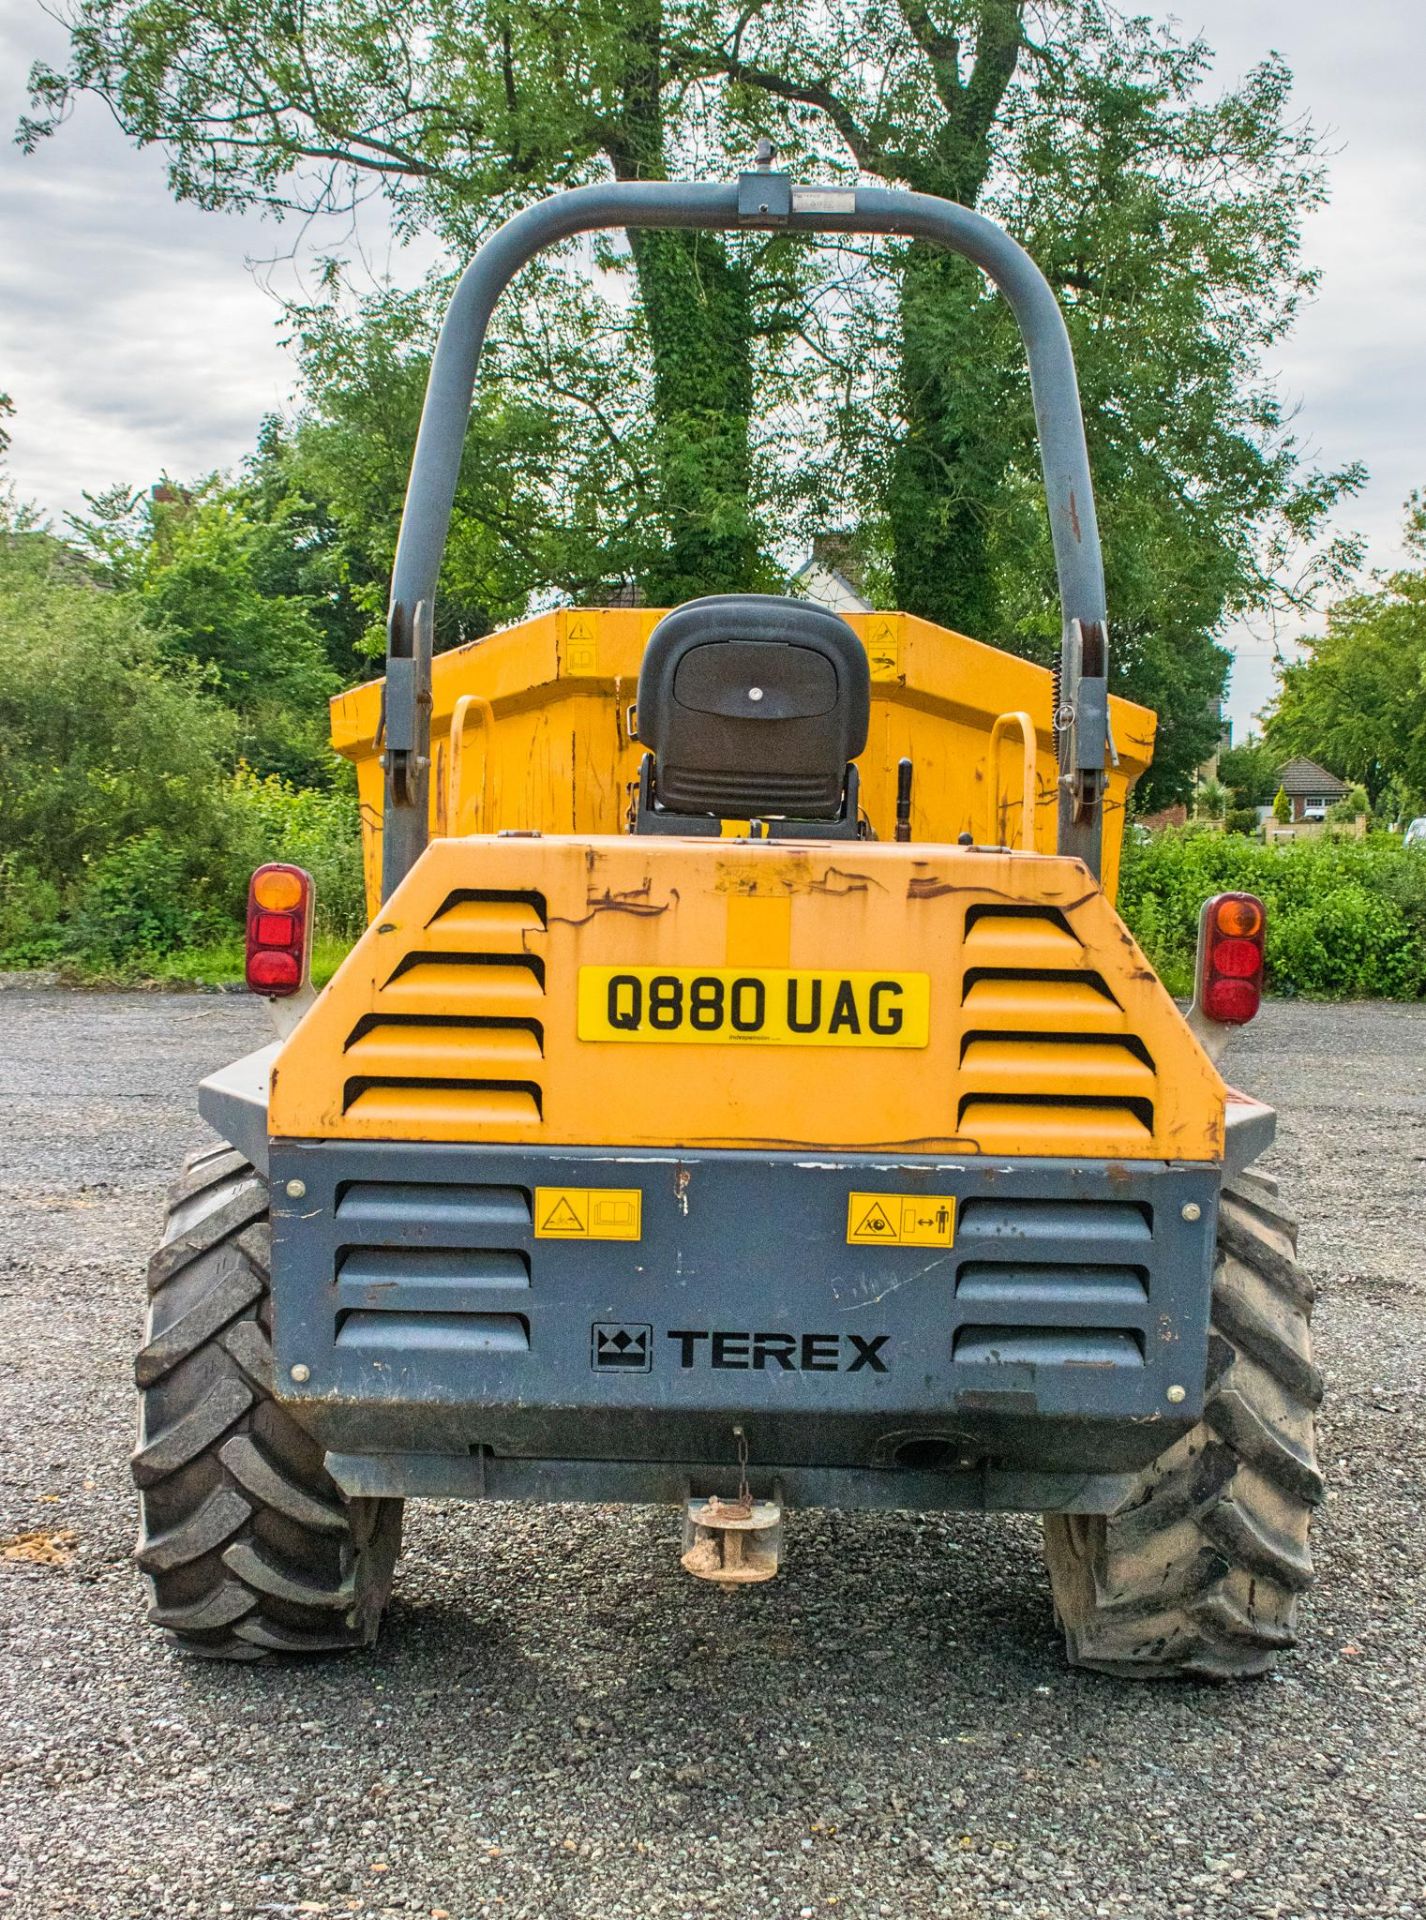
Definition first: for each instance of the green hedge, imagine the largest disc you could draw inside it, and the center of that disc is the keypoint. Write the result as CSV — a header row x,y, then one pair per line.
x,y
1346,918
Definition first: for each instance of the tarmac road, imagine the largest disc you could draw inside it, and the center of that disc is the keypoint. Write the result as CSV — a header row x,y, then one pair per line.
x,y
559,1723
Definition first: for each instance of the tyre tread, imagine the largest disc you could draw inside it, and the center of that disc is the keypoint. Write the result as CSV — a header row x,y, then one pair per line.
x,y
249,1548
1200,1573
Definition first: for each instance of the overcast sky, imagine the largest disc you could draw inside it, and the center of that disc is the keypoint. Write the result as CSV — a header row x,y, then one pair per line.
x,y
135,337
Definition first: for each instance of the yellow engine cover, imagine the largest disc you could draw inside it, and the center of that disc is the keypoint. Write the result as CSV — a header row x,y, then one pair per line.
x,y
750,994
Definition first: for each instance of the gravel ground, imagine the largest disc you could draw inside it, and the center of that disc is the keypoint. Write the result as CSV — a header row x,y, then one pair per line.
x,y
558,1723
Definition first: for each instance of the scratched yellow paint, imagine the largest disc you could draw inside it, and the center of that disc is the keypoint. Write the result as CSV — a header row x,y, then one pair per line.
x,y
455,1018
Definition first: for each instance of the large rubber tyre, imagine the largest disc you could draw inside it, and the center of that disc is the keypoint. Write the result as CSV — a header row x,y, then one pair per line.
x,y
1200,1571
248,1545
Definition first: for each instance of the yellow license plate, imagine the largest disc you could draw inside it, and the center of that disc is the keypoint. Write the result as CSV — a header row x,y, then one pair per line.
x,y
765,1006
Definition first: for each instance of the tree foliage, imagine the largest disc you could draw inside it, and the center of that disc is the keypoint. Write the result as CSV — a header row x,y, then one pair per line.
x,y
128,823
457,113
1357,700
1249,772
202,568
1167,217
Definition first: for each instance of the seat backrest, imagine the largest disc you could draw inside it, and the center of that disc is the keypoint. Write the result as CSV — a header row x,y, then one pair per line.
x,y
753,705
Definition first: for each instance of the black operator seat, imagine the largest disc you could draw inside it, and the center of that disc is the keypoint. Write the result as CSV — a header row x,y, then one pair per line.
x,y
754,706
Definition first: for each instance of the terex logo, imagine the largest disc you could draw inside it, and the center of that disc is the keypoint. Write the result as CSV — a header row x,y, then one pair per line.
x,y
792,1352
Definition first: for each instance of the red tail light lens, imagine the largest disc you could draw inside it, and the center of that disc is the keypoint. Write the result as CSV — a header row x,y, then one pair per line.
x,y
1232,932
279,930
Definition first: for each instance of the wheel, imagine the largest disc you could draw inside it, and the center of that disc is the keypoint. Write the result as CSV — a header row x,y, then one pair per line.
x,y
249,1546
1199,1572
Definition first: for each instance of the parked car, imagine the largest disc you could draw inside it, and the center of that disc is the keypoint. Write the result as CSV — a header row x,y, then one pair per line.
x,y
1415,835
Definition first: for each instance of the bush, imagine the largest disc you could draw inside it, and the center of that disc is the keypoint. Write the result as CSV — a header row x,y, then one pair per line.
x,y
1351,808
125,836
313,827
29,909
1346,919
100,738
1242,820
140,901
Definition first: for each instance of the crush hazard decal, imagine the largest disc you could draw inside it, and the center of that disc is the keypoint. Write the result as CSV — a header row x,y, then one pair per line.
x,y
901,1219
758,1005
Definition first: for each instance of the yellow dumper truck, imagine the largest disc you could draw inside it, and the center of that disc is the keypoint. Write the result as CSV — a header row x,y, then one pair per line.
x,y
745,1096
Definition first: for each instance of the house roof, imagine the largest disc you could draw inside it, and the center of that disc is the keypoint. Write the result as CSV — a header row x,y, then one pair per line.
x,y
1306,779
828,586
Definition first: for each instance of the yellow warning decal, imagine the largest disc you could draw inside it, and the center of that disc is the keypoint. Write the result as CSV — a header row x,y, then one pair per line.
x,y
883,647
588,1213
901,1219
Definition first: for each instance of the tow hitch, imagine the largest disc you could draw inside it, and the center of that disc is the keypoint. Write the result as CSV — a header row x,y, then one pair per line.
x,y
733,1542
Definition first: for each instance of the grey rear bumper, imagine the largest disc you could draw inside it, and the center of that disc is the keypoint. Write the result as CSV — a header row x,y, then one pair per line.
x,y
442,1346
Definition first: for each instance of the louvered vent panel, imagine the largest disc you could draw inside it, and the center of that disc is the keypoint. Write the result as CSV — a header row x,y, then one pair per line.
x,y
1053,1282
423,1269
1044,1051
457,1037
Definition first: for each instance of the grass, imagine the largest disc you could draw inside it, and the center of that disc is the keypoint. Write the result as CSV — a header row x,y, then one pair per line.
x,y
220,963
217,964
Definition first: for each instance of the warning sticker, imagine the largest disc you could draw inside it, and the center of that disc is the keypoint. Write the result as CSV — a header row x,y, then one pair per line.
x,y
581,648
588,1213
883,647
901,1219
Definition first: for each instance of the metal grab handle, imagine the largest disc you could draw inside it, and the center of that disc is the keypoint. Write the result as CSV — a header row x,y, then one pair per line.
x,y
455,773
999,803
758,200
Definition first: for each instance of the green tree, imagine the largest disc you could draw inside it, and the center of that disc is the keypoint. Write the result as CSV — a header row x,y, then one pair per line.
x,y
1210,800
1353,806
554,493
103,740
1169,224
201,566
1357,699
459,113
1249,772
1282,807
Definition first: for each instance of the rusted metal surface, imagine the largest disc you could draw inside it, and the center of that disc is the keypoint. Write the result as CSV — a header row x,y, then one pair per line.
x,y
732,1542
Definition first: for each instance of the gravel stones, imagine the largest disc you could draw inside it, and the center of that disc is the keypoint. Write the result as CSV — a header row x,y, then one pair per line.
x,y
559,1725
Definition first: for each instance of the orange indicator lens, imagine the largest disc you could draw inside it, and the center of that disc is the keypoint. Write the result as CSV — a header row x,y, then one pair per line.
x,y
1239,916
276,889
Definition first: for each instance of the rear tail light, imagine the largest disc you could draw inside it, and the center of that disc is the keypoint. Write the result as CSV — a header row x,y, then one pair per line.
x,y
279,930
1231,933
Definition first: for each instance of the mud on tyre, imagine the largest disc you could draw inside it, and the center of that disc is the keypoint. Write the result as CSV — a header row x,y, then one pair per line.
x,y
248,1545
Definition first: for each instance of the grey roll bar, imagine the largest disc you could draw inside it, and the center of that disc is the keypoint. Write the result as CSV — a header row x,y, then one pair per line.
x,y
766,200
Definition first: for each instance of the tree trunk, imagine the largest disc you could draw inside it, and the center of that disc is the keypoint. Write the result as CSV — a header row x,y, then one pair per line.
x,y
698,307
950,463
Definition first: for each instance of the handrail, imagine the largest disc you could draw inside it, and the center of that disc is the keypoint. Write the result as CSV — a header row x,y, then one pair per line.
x,y
999,802
765,200
455,773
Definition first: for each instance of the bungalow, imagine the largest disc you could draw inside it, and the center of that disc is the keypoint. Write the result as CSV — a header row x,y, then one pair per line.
x,y
1310,789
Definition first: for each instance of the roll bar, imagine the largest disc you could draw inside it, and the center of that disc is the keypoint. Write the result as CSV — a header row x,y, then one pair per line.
x,y
760,199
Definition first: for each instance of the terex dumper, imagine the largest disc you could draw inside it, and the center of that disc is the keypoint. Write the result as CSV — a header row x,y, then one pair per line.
x,y
744,1096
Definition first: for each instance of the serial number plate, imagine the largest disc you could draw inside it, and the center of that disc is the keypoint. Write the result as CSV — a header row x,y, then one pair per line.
x,y
770,1006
